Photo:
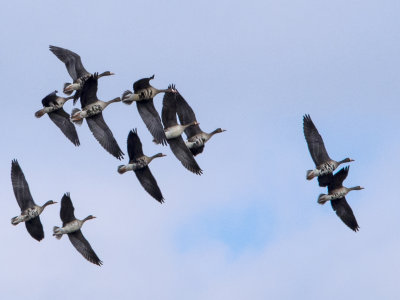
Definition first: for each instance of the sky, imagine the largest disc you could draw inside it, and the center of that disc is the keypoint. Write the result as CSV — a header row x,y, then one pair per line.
x,y
250,227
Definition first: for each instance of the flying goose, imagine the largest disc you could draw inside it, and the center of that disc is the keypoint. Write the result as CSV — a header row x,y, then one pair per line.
x,y
53,107
324,164
196,138
143,94
29,210
72,227
173,133
336,194
138,162
75,69
92,109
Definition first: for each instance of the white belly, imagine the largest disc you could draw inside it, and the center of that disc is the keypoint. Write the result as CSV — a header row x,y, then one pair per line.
x,y
71,227
174,131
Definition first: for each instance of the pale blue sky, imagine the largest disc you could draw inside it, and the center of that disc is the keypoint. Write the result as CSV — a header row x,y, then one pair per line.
x,y
250,226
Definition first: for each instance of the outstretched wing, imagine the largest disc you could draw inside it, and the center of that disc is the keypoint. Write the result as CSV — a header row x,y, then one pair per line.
x,y
35,228
82,245
314,141
196,149
141,84
337,179
89,91
71,60
149,183
62,121
134,146
67,209
50,99
183,154
168,114
104,136
20,187
152,120
345,213
187,116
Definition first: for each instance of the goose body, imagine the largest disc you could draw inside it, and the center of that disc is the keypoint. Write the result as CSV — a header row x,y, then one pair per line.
x,y
143,94
75,69
336,195
177,130
51,103
30,211
92,109
199,140
53,107
138,162
196,138
72,227
174,131
324,164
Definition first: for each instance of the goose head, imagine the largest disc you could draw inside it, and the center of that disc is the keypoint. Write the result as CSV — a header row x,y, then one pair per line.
x,y
356,188
89,218
346,160
49,203
106,73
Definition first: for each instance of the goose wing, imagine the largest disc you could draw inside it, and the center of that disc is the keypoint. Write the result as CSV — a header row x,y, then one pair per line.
x,y
196,149
134,146
314,141
336,181
67,209
168,114
152,120
345,213
89,91
184,155
186,116
82,245
149,183
62,121
71,60
103,135
35,228
141,84
50,99
20,187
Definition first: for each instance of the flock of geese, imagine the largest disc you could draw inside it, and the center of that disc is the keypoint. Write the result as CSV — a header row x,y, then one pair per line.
x,y
324,171
165,131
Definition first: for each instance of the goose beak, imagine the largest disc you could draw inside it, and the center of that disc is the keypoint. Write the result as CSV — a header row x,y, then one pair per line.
x,y
112,73
162,154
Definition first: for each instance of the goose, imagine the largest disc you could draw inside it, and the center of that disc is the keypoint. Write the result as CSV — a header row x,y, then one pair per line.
x,y
324,164
196,138
72,226
138,162
53,107
173,133
336,194
75,69
92,109
143,94
30,212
